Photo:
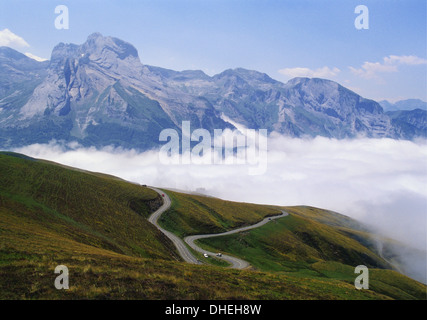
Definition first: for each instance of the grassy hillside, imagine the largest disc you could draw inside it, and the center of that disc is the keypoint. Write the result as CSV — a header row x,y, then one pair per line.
x,y
195,214
49,200
306,236
96,225
102,274
302,246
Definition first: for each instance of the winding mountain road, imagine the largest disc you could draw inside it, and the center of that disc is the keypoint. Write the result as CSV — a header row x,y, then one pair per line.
x,y
179,244
185,253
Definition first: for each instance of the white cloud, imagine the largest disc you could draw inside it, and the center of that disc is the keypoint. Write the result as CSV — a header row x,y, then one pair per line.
x,y
348,176
408,60
370,70
34,57
324,72
381,182
9,39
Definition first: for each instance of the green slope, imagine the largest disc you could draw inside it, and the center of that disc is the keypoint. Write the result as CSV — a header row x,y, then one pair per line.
x,y
195,214
305,247
298,245
93,209
96,225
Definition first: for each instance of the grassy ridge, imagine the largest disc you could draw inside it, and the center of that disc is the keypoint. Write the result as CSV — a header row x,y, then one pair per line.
x,y
293,243
105,275
51,215
194,214
89,208
310,243
307,248
96,225
387,282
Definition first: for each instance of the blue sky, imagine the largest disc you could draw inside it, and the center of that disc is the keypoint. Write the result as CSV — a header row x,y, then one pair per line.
x,y
315,38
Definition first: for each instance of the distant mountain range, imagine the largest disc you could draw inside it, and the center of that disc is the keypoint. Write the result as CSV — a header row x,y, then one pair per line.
x,y
407,105
407,116
99,93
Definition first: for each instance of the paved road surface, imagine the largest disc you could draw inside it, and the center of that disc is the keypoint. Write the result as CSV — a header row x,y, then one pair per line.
x,y
185,252
179,244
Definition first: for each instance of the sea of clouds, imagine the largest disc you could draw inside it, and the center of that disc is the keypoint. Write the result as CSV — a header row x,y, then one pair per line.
x,y
380,182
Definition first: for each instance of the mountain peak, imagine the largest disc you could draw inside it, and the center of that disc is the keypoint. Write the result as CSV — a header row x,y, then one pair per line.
x,y
7,52
97,47
116,99
97,43
12,59
305,80
243,77
94,36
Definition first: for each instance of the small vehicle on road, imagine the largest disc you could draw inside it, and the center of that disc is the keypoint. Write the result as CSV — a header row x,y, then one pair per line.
x,y
205,255
163,195
219,254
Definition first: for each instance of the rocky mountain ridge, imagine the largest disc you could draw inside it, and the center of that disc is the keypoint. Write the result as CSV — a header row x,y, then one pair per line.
x,y
99,93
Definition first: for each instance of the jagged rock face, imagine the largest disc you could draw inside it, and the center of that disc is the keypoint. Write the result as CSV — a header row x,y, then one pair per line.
x,y
19,75
16,67
300,107
342,113
409,123
78,74
99,93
